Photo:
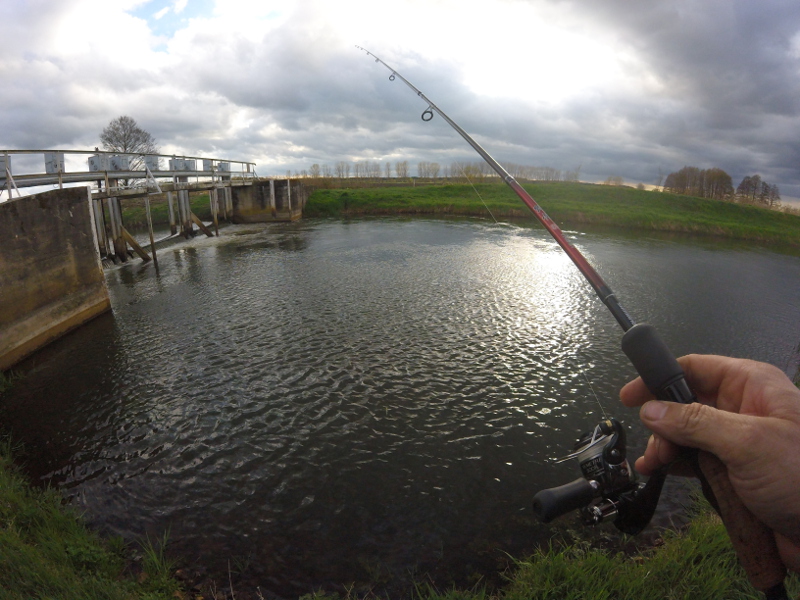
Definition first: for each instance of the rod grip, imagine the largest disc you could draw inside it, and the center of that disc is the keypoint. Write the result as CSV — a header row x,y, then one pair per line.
x,y
753,541
656,365
554,502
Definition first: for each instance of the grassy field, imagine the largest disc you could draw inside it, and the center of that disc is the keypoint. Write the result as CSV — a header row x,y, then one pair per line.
x,y
569,204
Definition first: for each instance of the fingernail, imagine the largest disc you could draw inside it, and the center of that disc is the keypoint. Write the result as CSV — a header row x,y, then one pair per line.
x,y
654,410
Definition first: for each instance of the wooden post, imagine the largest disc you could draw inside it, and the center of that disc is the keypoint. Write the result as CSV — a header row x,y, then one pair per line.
x,y
118,239
100,227
188,230
173,229
150,228
212,198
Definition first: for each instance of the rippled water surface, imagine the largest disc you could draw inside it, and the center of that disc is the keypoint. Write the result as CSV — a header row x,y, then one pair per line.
x,y
328,402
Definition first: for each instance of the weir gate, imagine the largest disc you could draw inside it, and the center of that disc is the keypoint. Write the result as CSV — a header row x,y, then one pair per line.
x,y
53,242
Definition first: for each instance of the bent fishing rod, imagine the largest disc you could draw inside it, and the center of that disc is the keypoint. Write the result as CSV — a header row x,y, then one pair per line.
x,y
608,488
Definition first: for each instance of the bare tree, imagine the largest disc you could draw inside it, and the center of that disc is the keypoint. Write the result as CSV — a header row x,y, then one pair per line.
x,y
314,171
123,135
388,167
401,168
342,169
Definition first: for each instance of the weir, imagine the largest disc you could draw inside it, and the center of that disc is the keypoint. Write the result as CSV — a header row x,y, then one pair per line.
x,y
53,244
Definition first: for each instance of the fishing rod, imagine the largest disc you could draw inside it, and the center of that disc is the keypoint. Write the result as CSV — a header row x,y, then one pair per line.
x,y
608,488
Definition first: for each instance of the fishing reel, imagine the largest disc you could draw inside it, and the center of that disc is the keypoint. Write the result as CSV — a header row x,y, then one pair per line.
x,y
608,489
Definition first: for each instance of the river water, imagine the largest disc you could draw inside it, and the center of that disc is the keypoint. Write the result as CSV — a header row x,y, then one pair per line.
x,y
372,401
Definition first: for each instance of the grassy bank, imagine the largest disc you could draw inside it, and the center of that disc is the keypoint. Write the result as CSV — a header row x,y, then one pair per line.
x,y
47,552
694,564
569,204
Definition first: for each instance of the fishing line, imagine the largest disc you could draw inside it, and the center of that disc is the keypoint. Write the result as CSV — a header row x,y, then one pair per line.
x,y
583,372
464,173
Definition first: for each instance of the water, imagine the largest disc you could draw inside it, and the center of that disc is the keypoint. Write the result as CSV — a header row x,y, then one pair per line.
x,y
374,401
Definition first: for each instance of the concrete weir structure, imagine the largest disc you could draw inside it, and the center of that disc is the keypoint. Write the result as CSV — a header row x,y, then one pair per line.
x,y
51,277
266,201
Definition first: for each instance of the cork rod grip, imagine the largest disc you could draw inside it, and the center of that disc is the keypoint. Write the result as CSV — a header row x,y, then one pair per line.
x,y
753,541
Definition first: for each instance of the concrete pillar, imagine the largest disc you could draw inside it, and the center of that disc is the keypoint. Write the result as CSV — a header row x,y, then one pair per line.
x,y
272,194
289,194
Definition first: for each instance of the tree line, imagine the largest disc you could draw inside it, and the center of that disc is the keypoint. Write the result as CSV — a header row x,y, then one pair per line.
x,y
473,171
717,184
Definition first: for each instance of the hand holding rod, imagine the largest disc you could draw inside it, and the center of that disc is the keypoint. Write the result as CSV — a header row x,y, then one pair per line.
x,y
661,373
753,541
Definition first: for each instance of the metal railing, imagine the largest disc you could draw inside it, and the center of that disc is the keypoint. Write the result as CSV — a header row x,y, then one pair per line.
x,y
104,166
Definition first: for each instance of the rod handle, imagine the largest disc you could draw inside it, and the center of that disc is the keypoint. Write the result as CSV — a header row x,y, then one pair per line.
x,y
656,365
753,541
553,502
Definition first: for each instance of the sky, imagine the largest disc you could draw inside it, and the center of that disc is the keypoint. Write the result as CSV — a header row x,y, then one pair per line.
x,y
618,88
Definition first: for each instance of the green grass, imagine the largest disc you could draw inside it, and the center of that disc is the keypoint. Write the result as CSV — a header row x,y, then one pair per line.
x,y
569,204
134,213
695,564
46,551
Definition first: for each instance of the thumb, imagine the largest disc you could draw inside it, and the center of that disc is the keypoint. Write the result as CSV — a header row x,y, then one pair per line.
x,y
696,426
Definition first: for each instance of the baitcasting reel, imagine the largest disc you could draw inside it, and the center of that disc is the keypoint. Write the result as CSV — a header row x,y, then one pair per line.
x,y
609,489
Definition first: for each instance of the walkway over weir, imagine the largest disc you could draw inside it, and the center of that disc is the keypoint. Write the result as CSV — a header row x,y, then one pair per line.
x,y
33,168
235,191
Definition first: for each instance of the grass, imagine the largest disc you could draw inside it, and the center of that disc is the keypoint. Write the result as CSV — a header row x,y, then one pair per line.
x,y
695,564
47,552
134,213
7,380
569,204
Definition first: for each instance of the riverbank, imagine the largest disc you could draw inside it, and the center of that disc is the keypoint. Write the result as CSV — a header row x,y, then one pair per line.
x,y
568,204
47,552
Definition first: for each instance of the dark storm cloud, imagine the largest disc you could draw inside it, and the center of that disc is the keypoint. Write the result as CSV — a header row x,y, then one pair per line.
x,y
702,82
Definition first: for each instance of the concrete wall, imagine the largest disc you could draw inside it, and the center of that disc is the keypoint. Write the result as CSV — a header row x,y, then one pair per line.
x,y
51,278
266,201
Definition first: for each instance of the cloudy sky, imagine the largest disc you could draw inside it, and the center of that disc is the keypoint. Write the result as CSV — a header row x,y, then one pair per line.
x,y
621,88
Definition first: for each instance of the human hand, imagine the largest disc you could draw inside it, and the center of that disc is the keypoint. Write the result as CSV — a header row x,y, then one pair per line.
x,y
748,415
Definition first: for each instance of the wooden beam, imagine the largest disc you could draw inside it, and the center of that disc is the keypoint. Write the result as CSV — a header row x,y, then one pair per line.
x,y
136,247
200,224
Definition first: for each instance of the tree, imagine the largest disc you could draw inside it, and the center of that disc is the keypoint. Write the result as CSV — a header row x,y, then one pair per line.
x,y
702,183
342,169
401,168
754,190
123,135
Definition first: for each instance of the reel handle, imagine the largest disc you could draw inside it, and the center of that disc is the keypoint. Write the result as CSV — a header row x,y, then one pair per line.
x,y
553,502
753,541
